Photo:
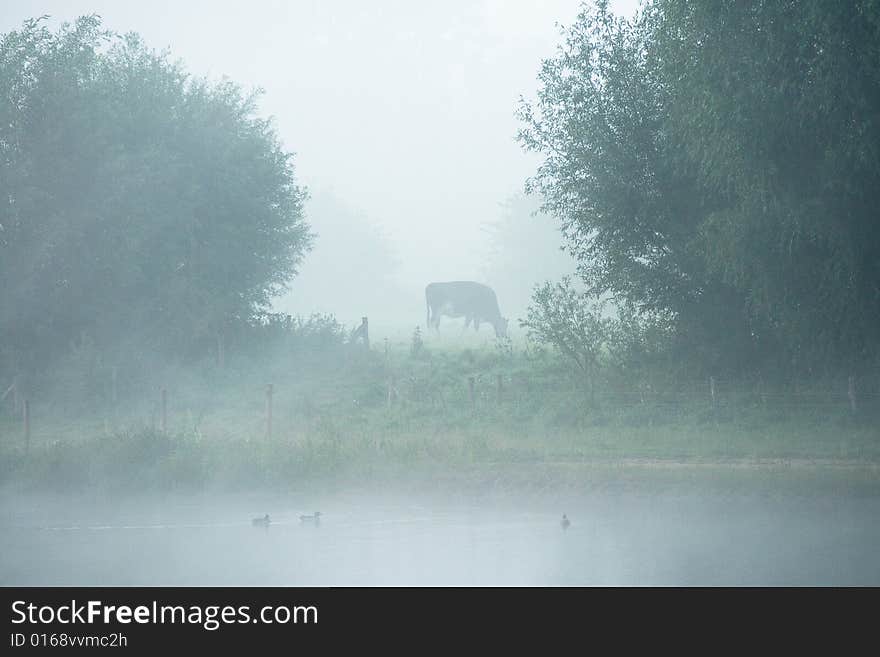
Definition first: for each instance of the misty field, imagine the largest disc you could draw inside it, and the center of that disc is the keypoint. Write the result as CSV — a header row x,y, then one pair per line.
x,y
339,410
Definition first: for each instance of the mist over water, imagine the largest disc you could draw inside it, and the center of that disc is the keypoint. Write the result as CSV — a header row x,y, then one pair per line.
x,y
623,537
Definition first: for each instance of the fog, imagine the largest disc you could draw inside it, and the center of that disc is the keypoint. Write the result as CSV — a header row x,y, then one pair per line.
x,y
447,274
404,114
690,536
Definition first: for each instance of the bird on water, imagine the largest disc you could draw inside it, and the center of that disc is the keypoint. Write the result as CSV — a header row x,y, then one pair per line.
x,y
261,522
315,517
565,521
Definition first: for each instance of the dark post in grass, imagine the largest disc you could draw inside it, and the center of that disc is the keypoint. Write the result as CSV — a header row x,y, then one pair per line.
x,y
851,393
26,417
163,412
472,394
268,410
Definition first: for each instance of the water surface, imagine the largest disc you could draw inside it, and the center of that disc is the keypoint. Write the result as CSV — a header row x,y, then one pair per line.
x,y
631,537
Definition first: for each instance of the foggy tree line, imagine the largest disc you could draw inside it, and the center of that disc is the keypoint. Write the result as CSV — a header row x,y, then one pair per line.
x,y
715,166
141,206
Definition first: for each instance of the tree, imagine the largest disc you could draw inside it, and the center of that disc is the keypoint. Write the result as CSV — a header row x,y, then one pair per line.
x,y
613,176
137,202
574,323
776,107
718,162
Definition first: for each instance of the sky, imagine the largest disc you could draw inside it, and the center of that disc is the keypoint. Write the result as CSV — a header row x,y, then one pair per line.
x,y
403,111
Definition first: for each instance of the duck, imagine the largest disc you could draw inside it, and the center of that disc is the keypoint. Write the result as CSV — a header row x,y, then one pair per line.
x,y
261,522
315,517
565,521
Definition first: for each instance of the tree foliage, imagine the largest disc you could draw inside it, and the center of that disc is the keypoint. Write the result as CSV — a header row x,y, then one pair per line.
x,y
718,162
136,201
573,322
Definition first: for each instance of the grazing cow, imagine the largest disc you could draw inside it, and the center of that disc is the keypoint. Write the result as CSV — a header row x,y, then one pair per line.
x,y
473,301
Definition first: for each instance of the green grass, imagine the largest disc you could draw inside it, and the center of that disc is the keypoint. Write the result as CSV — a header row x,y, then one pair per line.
x,y
332,418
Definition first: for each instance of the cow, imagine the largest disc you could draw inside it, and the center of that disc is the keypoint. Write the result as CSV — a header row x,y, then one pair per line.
x,y
473,301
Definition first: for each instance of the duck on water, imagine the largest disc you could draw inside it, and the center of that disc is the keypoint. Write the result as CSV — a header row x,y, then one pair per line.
x,y
315,518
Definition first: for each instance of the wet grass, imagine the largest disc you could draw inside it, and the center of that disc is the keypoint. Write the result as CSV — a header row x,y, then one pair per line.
x,y
353,414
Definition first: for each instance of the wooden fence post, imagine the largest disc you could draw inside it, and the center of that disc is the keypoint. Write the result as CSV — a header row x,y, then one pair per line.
x,y
365,326
163,412
851,393
472,393
26,417
268,410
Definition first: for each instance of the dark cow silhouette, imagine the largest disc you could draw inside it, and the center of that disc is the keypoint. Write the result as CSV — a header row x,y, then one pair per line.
x,y
473,301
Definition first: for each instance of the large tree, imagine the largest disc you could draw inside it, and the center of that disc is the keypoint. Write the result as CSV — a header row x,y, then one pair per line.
x,y
718,161
620,185
136,201
777,106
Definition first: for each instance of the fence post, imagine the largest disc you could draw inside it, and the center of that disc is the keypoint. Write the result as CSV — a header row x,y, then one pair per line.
x,y
26,417
851,393
472,394
365,325
268,410
163,412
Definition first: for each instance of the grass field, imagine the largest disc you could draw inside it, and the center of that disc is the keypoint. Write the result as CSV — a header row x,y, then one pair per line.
x,y
342,411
